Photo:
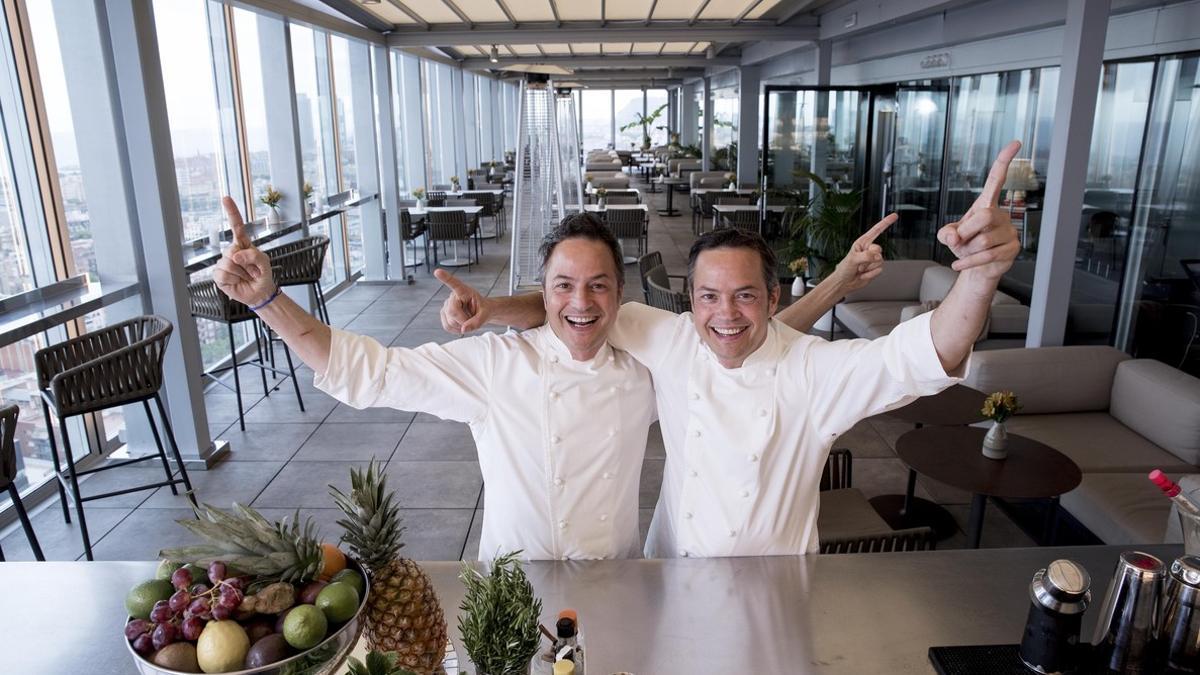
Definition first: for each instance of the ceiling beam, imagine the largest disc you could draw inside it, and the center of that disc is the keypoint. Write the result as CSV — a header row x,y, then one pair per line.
x,y
410,14
355,11
504,8
613,61
699,11
591,31
789,9
458,12
749,8
650,14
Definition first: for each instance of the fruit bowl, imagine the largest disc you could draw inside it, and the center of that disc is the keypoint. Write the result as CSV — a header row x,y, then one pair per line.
x,y
323,659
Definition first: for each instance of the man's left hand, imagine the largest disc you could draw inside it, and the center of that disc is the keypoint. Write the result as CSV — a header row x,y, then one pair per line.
x,y
864,262
984,240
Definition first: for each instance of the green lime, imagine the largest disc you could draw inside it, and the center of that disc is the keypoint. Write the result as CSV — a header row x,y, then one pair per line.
x,y
305,626
141,598
199,574
339,601
354,579
166,568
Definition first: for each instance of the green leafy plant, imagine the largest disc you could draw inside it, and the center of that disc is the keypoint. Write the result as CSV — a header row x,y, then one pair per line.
x,y
645,121
823,229
601,192
271,197
499,623
308,190
377,663
454,181
418,193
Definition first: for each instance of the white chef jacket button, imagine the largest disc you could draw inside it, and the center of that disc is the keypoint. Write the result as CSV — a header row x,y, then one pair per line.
x,y
608,474
562,524
614,389
555,439
770,371
753,457
554,395
553,358
612,432
733,533
695,433
688,515
558,481
693,474
683,553
745,493
603,517
762,412
694,396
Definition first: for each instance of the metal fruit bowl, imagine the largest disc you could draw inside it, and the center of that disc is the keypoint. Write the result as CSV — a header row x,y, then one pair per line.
x,y
324,659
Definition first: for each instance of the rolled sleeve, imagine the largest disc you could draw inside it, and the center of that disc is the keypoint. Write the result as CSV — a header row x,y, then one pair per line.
x,y
450,380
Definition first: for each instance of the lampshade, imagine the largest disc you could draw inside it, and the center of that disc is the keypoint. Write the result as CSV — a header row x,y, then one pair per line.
x,y
1021,175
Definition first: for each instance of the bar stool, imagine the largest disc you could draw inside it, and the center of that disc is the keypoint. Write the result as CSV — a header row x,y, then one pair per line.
x,y
300,263
8,475
110,367
208,302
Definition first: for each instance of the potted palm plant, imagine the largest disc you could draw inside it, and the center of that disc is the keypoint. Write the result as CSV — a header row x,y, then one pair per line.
x,y
824,228
499,623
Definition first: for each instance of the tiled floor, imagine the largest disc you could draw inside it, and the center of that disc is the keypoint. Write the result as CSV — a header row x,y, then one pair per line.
x,y
286,459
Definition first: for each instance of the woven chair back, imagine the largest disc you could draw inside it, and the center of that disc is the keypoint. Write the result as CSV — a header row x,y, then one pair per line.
x,y
8,448
708,199
436,198
446,225
645,264
208,302
663,297
626,223
913,539
300,262
108,367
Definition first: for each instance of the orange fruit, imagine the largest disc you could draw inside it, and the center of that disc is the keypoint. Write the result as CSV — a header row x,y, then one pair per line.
x,y
335,561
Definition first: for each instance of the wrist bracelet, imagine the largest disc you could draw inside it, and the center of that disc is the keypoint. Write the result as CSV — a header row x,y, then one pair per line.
x,y
268,301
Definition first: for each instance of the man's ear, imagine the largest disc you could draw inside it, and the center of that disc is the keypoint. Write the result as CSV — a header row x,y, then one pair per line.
x,y
773,296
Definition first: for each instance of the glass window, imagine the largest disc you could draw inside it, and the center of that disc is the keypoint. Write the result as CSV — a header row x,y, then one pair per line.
x,y
628,110
439,121
254,109
406,109
16,274
344,96
656,101
597,119
724,129
192,108
485,113
317,154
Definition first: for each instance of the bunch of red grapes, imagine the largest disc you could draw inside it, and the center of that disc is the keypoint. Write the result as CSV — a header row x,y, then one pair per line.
x,y
186,612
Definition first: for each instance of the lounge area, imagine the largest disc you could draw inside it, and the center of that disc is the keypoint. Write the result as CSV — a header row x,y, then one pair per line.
x,y
240,238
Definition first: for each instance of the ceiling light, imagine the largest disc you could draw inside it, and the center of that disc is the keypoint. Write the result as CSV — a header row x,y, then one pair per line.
x,y
494,57
710,53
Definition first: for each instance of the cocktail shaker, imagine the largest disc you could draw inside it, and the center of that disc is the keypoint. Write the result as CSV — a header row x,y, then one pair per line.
x,y
1181,615
1127,636
1059,595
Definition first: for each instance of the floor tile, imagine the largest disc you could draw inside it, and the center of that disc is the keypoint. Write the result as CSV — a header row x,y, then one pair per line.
x,y
305,485
221,485
999,531
362,441
655,449
121,478
435,485
863,441
437,441
889,429
435,534
414,337
143,533
344,414
651,482
283,409
883,477
59,540
471,550
222,407
266,442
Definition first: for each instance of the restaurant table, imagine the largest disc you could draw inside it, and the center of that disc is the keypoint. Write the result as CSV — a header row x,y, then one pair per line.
x,y
33,312
854,614
418,213
958,405
722,210
670,183
952,455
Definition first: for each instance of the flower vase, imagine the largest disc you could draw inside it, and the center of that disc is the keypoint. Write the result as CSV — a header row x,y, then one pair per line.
x,y
589,187
307,210
602,202
995,443
421,203
798,288
272,216
732,185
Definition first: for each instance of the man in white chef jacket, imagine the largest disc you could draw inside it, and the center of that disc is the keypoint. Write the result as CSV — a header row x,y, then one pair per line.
x,y
749,407
559,417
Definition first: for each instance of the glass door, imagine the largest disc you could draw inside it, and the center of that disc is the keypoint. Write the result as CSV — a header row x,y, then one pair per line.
x,y
911,141
816,131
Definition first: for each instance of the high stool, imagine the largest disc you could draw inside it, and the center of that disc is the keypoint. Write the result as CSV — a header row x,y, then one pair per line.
x,y
207,302
300,263
110,367
8,475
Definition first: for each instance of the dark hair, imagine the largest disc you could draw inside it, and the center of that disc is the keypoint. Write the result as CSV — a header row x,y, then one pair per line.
x,y
732,237
582,226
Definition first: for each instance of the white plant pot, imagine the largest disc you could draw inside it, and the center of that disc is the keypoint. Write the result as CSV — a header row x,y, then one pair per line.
x,y
421,203
995,443
272,216
798,287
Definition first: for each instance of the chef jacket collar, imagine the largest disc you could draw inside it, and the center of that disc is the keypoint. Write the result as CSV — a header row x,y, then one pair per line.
x,y
554,345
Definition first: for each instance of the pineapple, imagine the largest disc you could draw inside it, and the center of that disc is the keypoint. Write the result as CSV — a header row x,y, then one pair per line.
x,y
250,543
378,663
403,612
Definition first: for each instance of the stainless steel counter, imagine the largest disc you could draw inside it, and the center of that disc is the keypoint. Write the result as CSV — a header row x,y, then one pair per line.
x,y
872,613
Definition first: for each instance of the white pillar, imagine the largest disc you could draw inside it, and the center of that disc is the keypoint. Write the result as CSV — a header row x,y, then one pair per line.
x,y
687,121
821,73
706,135
367,161
283,135
389,190
748,125
1075,110
152,176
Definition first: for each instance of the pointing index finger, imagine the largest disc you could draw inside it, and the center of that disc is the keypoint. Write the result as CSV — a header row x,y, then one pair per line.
x,y
452,282
236,224
872,234
990,195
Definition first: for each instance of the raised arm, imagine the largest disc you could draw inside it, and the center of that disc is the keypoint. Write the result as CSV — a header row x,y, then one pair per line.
x,y
244,274
466,309
863,263
985,243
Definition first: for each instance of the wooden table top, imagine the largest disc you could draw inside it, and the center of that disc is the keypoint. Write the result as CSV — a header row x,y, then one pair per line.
x,y
952,455
955,406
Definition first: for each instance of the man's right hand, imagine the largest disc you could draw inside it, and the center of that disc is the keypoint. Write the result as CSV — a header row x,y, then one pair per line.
x,y
465,309
244,272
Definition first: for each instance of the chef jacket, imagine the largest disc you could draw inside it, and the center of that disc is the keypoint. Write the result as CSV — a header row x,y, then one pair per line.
x,y
560,441
746,446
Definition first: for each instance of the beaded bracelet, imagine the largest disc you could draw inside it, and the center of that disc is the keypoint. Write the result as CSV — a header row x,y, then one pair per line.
x,y
268,301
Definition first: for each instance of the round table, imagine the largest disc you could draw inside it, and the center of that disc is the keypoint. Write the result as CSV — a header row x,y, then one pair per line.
x,y
951,455
958,405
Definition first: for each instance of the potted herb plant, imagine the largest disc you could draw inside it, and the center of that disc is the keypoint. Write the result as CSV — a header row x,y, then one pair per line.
x,y
271,199
601,194
998,407
587,178
799,267
499,623
732,178
308,193
419,195
454,182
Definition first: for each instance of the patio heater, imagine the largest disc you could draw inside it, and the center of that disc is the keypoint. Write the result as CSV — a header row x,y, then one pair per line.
x,y
568,145
537,183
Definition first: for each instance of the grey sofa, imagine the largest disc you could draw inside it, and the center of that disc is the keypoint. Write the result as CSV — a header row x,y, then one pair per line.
x,y
904,285
1116,417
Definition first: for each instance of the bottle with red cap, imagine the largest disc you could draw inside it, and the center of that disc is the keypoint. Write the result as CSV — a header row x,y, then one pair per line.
x,y
1171,489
